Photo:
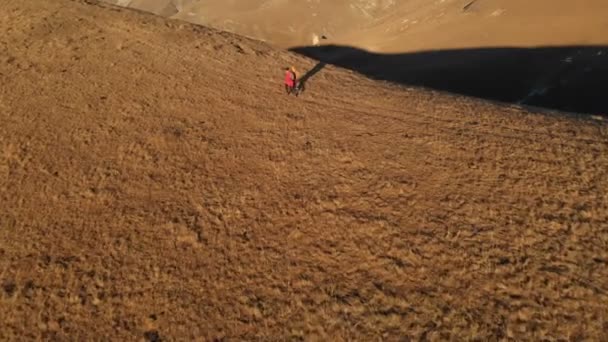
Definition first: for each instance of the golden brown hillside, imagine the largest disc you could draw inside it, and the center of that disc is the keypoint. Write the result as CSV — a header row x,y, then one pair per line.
x,y
551,54
157,184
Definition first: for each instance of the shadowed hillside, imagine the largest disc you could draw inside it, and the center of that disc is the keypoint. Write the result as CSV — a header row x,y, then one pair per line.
x,y
566,78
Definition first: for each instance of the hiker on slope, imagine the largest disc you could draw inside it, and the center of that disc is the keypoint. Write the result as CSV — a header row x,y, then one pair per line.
x,y
290,80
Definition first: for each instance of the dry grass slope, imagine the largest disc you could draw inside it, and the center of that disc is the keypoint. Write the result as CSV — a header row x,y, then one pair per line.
x,y
155,182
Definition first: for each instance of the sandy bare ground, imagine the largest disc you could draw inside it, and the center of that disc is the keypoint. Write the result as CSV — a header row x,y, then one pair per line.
x,y
156,182
398,26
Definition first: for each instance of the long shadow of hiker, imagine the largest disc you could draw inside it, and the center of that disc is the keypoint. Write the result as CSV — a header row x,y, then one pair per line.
x,y
308,75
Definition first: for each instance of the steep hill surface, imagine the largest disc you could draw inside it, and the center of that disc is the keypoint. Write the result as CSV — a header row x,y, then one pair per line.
x,y
544,53
155,182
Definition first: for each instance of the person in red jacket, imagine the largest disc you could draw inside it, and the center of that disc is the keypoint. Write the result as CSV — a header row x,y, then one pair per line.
x,y
290,80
